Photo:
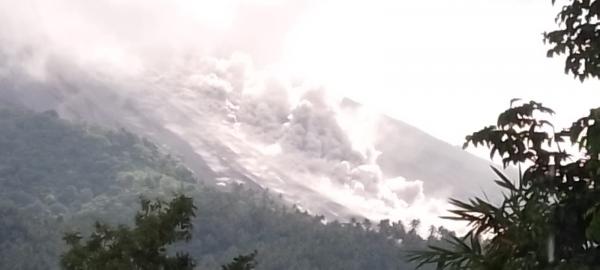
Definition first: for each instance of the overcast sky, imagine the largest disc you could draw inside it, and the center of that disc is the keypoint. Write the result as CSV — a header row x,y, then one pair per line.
x,y
448,67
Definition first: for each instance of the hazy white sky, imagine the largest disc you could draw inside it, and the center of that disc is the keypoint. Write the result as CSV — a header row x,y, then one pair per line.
x,y
448,67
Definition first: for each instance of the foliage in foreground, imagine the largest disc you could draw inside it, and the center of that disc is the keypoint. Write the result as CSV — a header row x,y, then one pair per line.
x,y
146,246
578,37
549,218
242,262
157,226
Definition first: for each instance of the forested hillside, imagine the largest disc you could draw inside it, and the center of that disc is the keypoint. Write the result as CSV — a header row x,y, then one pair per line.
x,y
57,176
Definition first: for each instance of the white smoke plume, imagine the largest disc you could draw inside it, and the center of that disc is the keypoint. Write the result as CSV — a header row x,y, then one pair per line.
x,y
200,69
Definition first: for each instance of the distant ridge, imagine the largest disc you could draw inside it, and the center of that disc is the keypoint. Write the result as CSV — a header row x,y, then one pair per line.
x,y
446,170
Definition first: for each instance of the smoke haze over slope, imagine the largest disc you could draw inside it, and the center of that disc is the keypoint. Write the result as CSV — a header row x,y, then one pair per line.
x,y
196,77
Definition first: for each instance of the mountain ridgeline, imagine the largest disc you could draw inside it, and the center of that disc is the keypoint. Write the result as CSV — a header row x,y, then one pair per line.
x,y
58,176
414,154
223,131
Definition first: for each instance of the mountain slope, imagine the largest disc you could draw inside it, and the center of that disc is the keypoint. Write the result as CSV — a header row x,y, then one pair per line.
x,y
230,126
444,169
58,176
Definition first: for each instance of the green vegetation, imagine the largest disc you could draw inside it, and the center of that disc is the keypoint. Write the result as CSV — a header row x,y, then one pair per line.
x,y
550,217
56,176
59,177
157,225
578,37
242,262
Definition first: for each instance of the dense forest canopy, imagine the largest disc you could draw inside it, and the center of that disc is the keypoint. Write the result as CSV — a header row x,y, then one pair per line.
x,y
61,177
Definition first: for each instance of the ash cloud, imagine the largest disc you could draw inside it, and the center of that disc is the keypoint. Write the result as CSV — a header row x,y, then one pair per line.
x,y
178,66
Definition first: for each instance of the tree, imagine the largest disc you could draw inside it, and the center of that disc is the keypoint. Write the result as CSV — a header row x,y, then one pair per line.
x,y
414,225
550,217
157,225
578,37
242,262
